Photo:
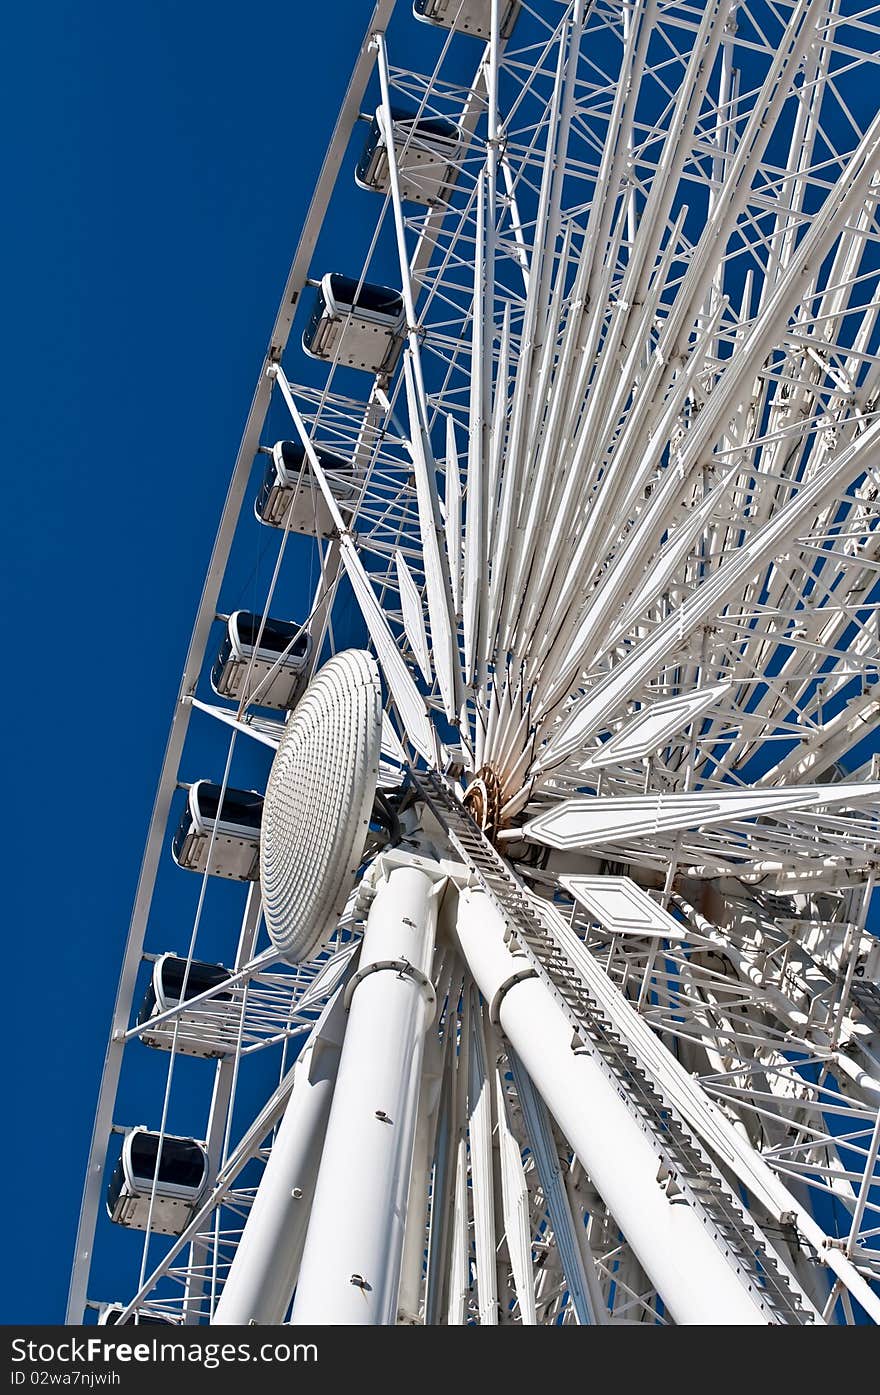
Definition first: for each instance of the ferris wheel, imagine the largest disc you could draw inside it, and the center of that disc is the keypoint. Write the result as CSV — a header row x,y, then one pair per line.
x,y
552,996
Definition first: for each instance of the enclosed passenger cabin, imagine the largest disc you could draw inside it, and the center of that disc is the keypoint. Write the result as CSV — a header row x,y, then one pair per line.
x,y
109,1317
468,16
210,1029
361,328
272,655
425,148
290,496
235,851
181,1180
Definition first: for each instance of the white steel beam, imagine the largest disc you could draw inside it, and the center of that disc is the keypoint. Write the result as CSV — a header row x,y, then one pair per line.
x,y
264,1269
351,1267
407,697
688,1270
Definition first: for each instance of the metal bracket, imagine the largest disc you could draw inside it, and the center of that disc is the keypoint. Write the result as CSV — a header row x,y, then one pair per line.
x,y
402,968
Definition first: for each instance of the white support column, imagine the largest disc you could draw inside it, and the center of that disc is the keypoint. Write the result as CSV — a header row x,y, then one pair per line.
x,y
412,1263
264,1271
683,1262
350,1271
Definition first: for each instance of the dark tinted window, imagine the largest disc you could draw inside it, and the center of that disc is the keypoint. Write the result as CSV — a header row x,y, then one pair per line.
x,y
182,1163
147,1005
381,299
425,125
239,806
201,977
111,1318
293,457
114,1187
276,635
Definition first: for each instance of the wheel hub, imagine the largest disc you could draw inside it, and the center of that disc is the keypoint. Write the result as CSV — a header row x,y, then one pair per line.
x,y
482,799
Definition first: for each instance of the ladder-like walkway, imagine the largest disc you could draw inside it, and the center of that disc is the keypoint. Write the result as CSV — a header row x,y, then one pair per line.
x,y
686,1166
866,997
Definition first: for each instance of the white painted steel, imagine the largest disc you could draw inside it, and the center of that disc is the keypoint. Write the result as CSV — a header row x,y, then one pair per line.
x,y
726,1141
582,823
646,308
413,615
409,1298
621,906
407,697
481,1166
351,1266
689,1271
263,1274
441,606
515,1201
651,728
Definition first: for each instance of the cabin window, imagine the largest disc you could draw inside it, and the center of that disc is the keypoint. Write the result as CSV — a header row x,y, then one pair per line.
x,y
182,1165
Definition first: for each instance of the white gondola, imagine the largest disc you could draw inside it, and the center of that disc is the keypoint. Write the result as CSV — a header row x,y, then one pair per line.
x,y
255,648
235,849
110,1315
359,325
468,16
210,1029
174,1190
289,495
426,149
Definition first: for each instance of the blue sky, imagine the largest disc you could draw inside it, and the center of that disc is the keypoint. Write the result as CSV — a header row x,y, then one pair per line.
x,y
160,163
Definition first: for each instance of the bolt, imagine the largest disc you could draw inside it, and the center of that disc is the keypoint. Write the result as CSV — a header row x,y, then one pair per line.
x,y
297,1193
383,1117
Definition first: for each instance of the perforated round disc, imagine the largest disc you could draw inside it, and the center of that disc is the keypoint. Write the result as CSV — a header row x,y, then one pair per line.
x,y
318,803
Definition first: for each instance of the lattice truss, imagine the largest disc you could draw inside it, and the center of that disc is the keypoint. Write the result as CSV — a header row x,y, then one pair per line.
x,y
612,535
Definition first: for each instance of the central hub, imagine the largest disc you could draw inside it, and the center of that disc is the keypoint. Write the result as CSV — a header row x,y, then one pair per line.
x,y
482,799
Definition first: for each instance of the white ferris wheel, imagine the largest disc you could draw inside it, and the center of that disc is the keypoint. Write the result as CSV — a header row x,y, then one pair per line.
x,y
547,993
